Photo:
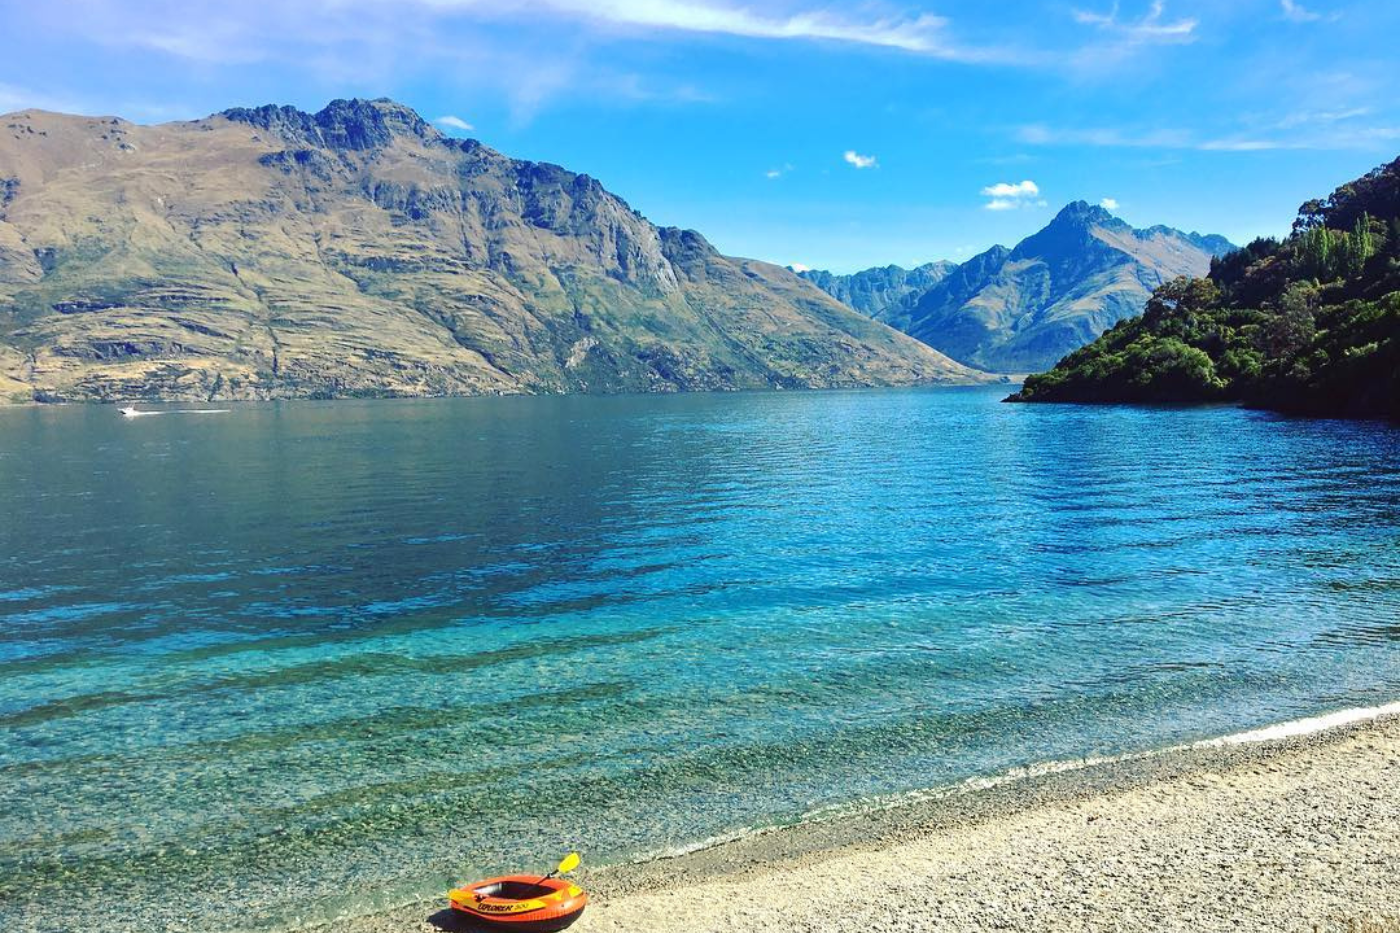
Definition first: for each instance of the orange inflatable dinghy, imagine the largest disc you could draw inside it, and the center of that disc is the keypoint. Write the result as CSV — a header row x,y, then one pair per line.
x,y
523,903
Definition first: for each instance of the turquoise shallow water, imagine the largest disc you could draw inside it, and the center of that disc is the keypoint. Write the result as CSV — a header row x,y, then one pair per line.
x,y
310,659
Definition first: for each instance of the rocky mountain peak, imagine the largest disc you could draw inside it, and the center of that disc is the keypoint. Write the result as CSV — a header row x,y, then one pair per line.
x,y
354,124
1070,236
1079,217
364,124
1083,214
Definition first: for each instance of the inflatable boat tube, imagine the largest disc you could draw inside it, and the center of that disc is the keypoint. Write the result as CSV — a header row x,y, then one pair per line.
x,y
521,903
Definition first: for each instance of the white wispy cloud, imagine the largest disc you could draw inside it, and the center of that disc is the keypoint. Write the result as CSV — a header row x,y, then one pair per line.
x,y
1316,117
1110,204
1150,28
1038,134
1011,195
859,161
454,123
1361,138
778,172
1295,12
919,34
1243,145
1111,137
1304,132
925,33
187,27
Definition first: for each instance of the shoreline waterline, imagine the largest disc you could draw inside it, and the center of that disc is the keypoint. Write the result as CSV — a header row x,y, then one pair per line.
x,y
1301,728
886,823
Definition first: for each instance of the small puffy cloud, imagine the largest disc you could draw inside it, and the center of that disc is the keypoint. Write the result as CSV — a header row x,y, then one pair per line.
x,y
1010,195
454,123
799,267
1020,189
778,172
1109,204
858,160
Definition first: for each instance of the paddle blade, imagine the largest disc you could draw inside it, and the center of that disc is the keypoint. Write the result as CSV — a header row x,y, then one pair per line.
x,y
569,864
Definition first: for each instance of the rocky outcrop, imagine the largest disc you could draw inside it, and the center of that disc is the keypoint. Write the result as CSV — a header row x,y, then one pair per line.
x,y
353,125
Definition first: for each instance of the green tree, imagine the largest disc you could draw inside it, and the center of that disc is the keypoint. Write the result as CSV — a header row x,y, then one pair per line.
x,y
1363,245
1288,332
1316,248
1175,306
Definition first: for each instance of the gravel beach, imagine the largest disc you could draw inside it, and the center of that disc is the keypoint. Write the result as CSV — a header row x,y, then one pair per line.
x,y
1294,833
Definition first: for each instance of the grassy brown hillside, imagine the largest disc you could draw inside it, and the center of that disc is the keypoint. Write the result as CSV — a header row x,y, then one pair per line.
x,y
270,253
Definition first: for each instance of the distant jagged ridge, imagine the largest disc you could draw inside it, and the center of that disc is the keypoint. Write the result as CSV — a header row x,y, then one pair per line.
x,y
271,253
1212,244
1021,309
882,292
1308,324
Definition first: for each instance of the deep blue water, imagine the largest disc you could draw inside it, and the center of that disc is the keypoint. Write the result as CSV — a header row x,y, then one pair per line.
x,y
311,658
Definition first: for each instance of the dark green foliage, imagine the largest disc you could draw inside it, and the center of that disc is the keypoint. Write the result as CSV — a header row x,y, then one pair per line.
x,y
1309,324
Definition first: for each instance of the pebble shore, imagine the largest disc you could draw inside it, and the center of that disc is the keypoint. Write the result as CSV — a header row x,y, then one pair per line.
x,y
1299,834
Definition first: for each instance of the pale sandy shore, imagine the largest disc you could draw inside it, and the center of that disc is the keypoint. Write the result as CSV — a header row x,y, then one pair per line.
x,y
1297,834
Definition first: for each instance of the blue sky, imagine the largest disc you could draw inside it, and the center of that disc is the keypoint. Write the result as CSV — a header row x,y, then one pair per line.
x,y
800,131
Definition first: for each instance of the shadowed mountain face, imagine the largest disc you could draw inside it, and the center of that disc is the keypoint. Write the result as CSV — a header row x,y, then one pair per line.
x,y
885,292
271,253
1020,310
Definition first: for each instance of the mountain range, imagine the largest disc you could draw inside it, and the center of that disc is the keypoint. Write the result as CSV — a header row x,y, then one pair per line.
x,y
1022,309
884,291
270,253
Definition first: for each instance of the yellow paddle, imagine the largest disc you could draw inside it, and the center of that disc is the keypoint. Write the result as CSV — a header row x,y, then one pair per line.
x,y
568,864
